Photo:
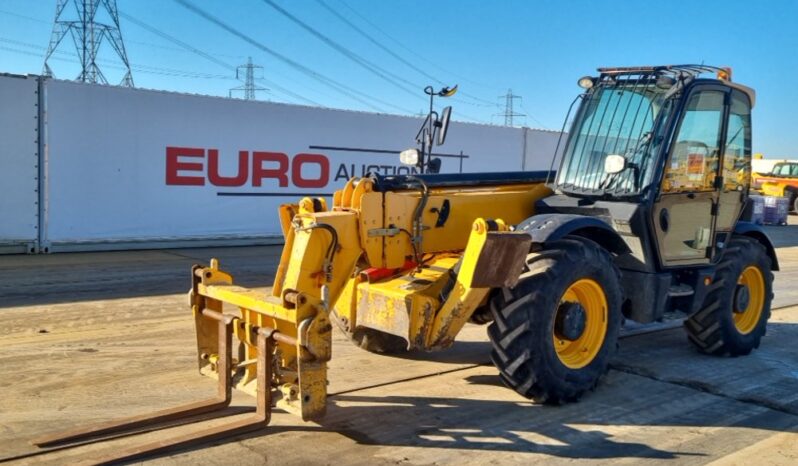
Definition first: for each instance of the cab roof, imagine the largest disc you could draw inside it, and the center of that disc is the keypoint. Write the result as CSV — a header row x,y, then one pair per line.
x,y
723,74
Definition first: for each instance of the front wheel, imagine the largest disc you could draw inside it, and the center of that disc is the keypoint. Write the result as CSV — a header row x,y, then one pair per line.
x,y
555,331
734,316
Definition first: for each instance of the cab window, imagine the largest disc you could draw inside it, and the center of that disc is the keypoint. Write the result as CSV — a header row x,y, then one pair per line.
x,y
786,169
693,162
737,153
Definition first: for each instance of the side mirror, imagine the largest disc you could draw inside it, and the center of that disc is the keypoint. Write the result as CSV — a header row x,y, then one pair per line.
x,y
409,157
443,124
614,164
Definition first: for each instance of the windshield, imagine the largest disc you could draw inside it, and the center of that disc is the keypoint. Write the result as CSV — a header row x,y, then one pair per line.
x,y
618,117
785,169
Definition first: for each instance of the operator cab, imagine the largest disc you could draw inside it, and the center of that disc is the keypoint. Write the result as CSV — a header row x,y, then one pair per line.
x,y
663,156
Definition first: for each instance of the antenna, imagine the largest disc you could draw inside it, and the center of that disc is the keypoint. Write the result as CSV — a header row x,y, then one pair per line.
x,y
248,88
431,126
88,34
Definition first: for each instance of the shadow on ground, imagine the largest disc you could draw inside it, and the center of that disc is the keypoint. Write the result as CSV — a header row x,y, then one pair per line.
x,y
768,377
657,382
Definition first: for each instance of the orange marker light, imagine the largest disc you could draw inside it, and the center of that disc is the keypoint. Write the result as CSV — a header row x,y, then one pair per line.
x,y
725,74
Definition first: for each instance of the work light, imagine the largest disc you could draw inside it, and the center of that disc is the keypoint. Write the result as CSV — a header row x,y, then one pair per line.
x,y
586,82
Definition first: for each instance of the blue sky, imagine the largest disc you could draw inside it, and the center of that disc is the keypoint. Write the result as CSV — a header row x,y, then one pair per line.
x,y
536,48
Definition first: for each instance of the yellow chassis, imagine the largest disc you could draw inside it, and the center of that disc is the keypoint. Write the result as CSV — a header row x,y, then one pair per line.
x,y
779,188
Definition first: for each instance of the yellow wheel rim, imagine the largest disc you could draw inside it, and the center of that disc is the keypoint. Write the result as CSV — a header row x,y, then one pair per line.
x,y
576,354
746,320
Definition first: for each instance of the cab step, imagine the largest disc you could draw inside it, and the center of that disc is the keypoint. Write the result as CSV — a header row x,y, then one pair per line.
x,y
680,290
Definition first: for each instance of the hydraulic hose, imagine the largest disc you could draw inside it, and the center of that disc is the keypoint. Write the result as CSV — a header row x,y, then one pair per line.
x,y
417,213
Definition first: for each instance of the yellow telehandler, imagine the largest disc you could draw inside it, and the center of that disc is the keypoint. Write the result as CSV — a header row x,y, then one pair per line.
x,y
637,221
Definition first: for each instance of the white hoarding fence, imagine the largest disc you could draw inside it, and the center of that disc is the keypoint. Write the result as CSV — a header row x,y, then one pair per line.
x,y
137,168
19,163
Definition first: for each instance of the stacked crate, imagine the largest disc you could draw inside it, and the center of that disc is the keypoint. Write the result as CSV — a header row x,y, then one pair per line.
x,y
769,210
776,210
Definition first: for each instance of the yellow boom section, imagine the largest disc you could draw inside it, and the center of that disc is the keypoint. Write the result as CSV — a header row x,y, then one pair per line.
x,y
412,262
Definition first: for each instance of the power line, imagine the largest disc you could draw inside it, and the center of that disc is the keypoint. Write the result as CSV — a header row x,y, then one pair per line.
x,y
151,70
376,42
188,48
521,104
402,45
29,18
33,46
212,58
395,55
339,87
160,72
87,36
128,41
115,64
34,54
363,62
391,78
175,49
175,71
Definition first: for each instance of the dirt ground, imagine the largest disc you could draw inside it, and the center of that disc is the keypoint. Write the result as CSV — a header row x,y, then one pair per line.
x,y
87,337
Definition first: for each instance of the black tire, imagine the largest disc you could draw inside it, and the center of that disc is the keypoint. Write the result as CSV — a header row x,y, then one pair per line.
x,y
522,333
793,196
712,329
793,203
371,340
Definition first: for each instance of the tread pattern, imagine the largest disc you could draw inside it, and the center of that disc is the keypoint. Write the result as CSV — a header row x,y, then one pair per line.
x,y
521,333
711,329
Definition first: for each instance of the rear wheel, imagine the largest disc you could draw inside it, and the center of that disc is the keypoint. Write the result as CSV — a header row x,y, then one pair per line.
x,y
555,331
734,316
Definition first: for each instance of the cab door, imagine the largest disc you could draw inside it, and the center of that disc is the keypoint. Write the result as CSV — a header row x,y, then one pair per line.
x,y
736,165
685,209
